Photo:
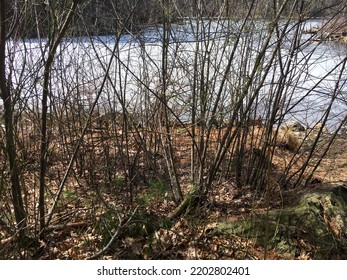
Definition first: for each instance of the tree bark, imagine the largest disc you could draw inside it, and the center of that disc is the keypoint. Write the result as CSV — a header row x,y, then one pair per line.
x,y
45,95
17,200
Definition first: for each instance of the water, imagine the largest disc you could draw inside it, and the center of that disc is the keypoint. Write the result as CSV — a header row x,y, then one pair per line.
x,y
135,71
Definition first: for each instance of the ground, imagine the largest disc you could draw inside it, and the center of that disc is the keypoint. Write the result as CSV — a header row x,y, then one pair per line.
x,y
89,216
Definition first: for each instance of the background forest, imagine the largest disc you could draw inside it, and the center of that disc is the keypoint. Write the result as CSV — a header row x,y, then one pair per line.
x,y
173,129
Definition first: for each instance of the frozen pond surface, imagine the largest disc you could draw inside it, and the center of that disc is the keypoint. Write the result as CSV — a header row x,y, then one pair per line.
x,y
197,57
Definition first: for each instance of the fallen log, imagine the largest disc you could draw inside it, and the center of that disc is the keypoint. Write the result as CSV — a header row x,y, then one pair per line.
x,y
190,199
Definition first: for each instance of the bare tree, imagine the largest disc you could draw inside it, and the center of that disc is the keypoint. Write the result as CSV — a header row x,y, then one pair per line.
x,y
55,39
112,99
8,103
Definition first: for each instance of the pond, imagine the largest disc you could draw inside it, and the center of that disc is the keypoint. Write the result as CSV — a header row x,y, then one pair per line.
x,y
213,59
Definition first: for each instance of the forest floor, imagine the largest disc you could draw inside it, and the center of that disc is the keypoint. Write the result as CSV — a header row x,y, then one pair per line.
x,y
89,216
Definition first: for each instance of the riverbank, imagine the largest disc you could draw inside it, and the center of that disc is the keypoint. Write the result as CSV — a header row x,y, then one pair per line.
x,y
330,31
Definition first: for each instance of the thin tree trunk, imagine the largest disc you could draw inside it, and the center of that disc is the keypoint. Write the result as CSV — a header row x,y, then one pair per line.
x,y
45,94
17,199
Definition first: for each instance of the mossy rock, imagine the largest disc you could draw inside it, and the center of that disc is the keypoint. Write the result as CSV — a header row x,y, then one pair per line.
x,y
317,224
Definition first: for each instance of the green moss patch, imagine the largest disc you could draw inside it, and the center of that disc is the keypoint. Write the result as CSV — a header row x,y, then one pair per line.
x,y
317,224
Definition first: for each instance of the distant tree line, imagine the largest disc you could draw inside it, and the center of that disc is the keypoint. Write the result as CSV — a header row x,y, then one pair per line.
x,y
33,18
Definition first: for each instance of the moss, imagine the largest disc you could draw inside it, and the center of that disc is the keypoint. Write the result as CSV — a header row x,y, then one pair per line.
x,y
319,220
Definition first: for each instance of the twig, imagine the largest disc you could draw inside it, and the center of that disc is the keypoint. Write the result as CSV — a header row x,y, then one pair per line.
x,y
68,225
115,235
